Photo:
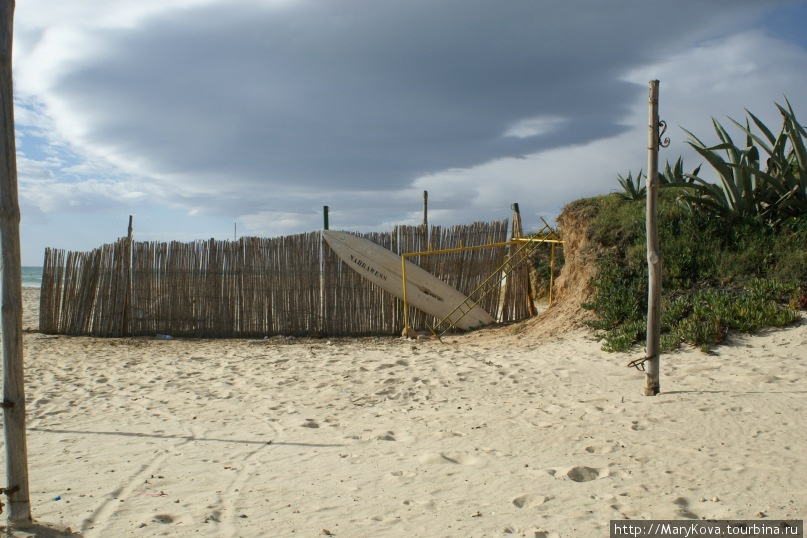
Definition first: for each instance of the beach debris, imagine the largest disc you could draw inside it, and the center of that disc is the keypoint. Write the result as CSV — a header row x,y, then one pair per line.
x,y
639,363
57,498
163,337
326,532
477,514
409,332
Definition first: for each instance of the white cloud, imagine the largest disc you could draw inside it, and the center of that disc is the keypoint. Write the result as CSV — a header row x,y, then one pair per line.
x,y
264,111
719,78
534,127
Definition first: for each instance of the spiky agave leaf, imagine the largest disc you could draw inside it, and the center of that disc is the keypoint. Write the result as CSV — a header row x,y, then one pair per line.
x,y
631,189
738,196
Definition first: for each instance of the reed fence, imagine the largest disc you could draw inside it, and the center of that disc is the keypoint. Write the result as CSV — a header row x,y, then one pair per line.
x,y
258,287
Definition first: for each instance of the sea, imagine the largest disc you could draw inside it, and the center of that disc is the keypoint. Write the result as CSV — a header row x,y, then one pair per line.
x,y
31,277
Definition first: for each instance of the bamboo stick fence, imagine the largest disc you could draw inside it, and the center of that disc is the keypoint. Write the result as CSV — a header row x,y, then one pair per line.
x,y
257,287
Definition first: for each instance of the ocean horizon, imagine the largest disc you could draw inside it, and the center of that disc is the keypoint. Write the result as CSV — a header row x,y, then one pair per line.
x,y
31,276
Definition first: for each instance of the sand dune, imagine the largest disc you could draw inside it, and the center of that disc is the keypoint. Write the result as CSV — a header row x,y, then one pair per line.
x,y
496,433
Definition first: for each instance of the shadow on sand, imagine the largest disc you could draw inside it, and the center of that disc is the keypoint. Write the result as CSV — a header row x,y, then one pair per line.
x,y
40,529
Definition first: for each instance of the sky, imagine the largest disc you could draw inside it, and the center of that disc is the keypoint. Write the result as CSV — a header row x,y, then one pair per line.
x,y
227,118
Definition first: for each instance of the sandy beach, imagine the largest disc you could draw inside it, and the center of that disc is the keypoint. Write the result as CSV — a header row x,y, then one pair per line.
x,y
513,431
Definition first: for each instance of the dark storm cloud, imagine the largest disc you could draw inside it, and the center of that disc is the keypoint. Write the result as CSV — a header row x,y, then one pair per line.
x,y
365,94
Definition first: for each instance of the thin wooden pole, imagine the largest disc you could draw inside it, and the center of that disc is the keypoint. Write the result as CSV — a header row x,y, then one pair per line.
x,y
551,272
516,231
13,404
324,217
425,208
128,283
652,386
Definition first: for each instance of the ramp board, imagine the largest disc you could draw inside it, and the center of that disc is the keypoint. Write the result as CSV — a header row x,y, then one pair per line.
x,y
424,291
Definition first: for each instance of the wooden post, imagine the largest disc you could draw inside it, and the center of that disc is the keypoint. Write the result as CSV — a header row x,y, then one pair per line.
x,y
424,230
516,231
425,208
651,385
127,300
13,404
324,217
551,271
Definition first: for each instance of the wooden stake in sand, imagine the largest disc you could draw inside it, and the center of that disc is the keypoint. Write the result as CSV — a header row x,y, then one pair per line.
x,y
651,385
425,208
19,505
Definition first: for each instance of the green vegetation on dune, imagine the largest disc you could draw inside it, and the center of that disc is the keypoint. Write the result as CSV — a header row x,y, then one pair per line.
x,y
716,277
734,253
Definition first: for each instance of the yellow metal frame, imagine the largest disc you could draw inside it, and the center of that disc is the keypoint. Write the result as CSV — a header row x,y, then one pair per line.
x,y
461,248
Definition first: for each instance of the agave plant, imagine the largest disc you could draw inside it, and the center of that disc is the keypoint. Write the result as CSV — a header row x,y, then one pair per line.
x,y
747,191
674,176
631,189
737,196
786,176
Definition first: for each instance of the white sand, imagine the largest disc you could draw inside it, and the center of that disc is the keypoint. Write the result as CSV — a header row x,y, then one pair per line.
x,y
489,434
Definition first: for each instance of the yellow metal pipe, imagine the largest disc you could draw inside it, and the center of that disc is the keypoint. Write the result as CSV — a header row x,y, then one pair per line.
x,y
461,248
480,247
456,249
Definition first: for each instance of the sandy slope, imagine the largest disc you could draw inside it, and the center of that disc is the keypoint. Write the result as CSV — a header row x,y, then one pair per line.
x,y
495,433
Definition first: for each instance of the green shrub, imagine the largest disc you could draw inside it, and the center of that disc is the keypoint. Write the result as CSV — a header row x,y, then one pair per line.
x,y
716,278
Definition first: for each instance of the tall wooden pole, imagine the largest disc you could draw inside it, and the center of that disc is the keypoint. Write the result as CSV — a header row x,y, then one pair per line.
x,y
13,404
127,301
651,384
425,208
516,230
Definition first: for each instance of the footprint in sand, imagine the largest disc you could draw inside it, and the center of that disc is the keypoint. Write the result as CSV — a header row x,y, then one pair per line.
x,y
458,458
580,473
605,448
530,501
683,508
533,532
444,434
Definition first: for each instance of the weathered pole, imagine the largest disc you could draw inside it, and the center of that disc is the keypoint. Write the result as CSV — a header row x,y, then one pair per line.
x,y
651,384
127,300
325,217
425,208
516,230
13,404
